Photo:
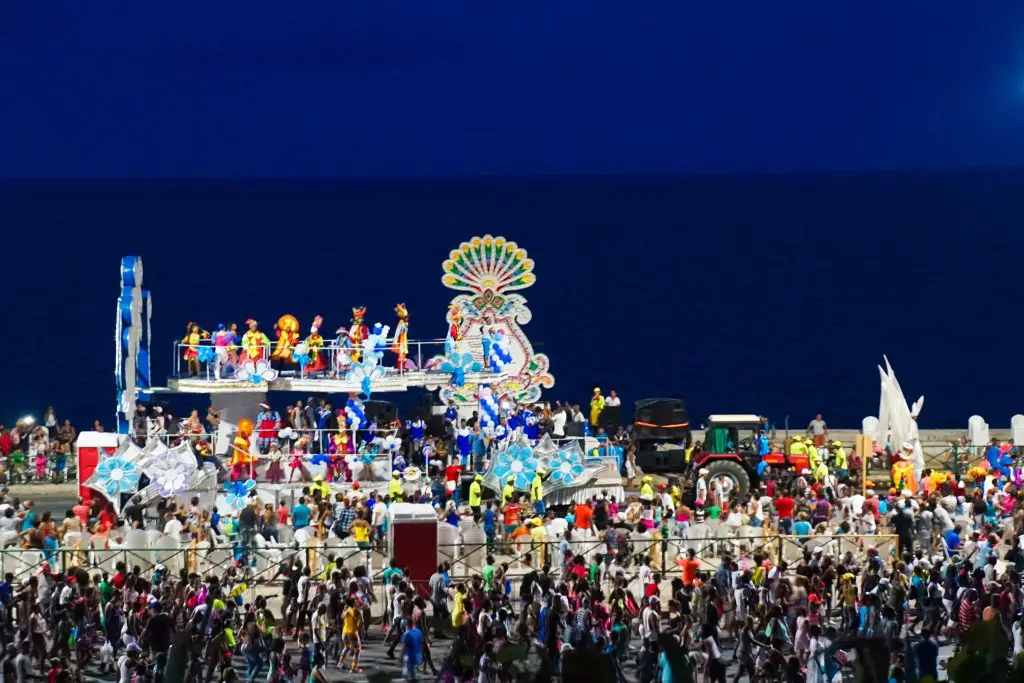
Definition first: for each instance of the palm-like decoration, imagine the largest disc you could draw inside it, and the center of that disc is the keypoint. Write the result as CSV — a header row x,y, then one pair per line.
x,y
488,263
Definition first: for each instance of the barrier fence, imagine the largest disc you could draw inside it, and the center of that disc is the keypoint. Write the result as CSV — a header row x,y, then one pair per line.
x,y
260,565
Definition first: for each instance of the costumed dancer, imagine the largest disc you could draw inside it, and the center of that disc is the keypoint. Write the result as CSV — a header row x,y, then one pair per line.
x,y
486,339
342,352
242,455
222,344
453,341
194,336
287,337
358,332
400,346
275,472
596,406
315,348
464,443
297,462
255,344
903,469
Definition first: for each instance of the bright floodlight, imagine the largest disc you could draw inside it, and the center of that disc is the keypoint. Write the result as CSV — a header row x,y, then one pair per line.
x,y
28,419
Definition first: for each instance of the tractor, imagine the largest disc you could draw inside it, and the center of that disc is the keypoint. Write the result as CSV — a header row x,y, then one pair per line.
x,y
730,451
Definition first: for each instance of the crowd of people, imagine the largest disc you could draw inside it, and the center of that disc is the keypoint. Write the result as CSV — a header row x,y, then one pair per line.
x,y
682,580
37,452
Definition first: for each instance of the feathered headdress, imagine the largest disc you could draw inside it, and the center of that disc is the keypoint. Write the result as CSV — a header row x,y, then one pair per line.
x,y
317,322
358,313
401,311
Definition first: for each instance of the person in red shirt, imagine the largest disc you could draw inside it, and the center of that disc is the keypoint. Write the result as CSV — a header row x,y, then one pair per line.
x,y
511,519
82,512
784,506
451,481
6,442
584,516
689,567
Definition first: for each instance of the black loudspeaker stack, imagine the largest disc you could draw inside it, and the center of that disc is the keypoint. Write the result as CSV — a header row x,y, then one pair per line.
x,y
661,419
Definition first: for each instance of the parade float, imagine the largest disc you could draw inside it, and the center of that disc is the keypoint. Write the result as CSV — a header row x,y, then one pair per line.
x,y
485,362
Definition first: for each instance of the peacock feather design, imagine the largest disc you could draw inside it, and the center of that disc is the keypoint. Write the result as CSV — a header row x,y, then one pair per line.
x,y
490,269
488,263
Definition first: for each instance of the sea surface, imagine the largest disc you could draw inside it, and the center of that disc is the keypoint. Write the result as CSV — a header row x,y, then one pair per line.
x,y
768,294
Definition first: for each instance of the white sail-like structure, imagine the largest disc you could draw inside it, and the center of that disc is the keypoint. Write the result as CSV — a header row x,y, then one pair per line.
x,y
899,420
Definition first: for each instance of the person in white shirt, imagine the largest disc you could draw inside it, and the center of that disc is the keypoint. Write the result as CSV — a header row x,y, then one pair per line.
x,y
613,400
173,526
558,424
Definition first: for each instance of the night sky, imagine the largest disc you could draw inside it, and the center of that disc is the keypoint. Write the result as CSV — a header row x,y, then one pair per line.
x,y
390,88
744,204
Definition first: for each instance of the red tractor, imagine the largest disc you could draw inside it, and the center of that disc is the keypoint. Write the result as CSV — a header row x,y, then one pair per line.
x,y
731,451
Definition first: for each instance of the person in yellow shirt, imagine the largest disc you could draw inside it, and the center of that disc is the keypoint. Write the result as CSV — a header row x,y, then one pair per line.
x,y
320,485
360,530
475,494
351,625
675,493
840,461
596,406
459,610
509,492
539,535
537,492
395,488
646,489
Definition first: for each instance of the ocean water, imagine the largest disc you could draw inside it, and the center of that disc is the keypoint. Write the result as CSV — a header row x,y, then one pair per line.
x,y
769,294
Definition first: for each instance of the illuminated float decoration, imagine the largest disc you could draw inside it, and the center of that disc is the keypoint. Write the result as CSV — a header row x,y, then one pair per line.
x,y
489,317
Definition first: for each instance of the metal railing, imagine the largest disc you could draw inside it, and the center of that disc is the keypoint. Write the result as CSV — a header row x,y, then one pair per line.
x,y
421,352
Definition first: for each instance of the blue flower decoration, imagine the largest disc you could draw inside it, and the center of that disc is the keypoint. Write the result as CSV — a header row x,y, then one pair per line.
x,y
320,459
302,359
116,475
238,491
207,354
519,462
566,466
459,364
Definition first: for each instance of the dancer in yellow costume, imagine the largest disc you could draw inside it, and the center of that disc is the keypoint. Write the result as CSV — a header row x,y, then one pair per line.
x,y
287,337
242,458
255,344
903,470
596,406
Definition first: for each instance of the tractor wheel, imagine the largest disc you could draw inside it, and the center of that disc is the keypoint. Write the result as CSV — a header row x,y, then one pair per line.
x,y
735,472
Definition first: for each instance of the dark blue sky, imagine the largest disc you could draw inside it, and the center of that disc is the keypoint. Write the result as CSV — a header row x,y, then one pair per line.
x,y
454,87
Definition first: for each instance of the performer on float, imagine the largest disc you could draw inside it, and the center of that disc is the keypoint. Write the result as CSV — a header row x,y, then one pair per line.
x,y
596,406
223,343
531,425
464,443
255,344
453,342
486,340
315,346
194,336
400,346
243,454
357,333
342,352
903,469
287,328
